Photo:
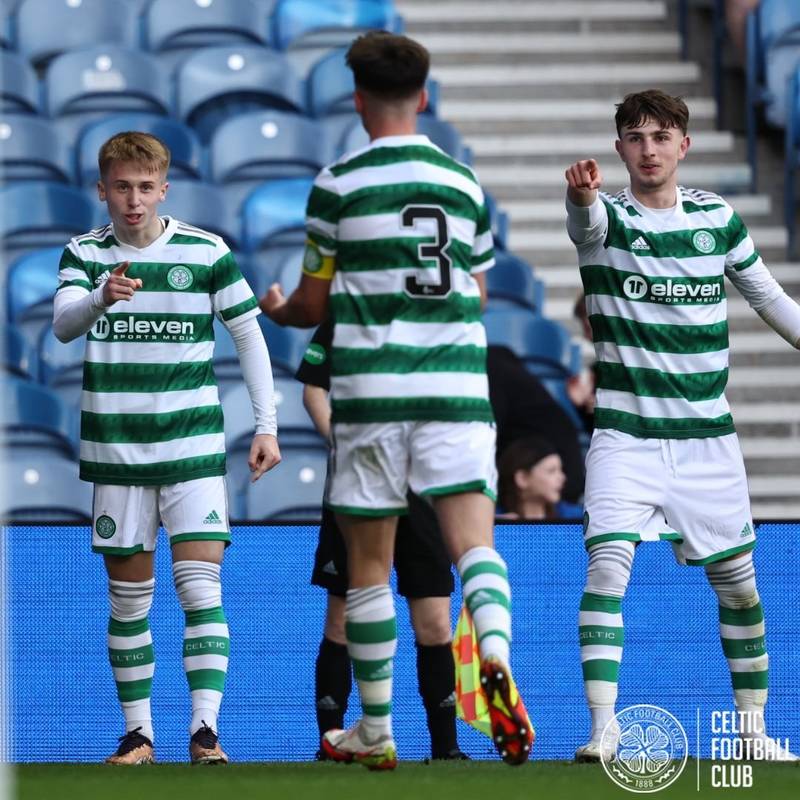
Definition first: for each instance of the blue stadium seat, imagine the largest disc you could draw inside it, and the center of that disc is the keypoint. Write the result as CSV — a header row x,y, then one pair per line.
x,y
545,346
20,91
83,86
292,490
791,162
46,28
218,82
287,346
275,213
31,149
20,357
440,132
773,51
43,486
499,221
33,416
205,206
185,148
32,282
273,216
511,283
265,145
187,25
61,367
330,87
308,23
40,214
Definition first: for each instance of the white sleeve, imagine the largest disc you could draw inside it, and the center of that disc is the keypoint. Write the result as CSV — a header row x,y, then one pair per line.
x,y
75,311
783,316
257,371
587,223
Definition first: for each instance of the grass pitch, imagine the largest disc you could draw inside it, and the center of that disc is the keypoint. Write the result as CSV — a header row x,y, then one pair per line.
x,y
477,780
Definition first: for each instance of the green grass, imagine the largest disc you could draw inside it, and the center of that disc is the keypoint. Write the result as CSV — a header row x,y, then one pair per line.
x,y
541,780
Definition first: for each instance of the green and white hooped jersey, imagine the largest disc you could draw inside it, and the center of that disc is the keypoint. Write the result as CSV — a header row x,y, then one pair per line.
x,y
655,295
405,228
150,412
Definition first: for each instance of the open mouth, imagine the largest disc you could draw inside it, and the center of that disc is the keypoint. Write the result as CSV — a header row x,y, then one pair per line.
x,y
133,219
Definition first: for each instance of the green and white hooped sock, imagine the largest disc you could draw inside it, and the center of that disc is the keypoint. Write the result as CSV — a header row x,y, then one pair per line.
x,y
130,651
741,622
600,628
206,641
371,629
484,586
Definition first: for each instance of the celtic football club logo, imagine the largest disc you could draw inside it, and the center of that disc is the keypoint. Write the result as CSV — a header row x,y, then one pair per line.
x,y
105,527
704,241
315,354
650,745
312,259
180,277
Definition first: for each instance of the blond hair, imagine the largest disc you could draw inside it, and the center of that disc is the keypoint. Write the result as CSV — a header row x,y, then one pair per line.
x,y
143,149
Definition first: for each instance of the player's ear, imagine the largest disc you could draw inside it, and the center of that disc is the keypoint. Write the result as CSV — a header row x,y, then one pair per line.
x,y
101,191
617,145
686,143
162,195
423,100
358,99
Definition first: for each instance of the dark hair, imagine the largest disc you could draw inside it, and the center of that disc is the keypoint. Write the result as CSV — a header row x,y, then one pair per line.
x,y
667,111
522,453
390,66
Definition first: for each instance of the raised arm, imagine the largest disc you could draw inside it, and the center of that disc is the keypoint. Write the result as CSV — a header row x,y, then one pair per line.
x,y
586,215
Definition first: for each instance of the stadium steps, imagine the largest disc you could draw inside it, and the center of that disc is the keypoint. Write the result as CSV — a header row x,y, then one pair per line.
x,y
531,85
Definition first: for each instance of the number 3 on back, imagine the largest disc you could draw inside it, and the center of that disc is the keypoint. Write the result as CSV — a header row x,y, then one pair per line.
x,y
434,250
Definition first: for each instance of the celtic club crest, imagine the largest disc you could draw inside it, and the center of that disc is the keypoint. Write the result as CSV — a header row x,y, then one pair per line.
x,y
651,748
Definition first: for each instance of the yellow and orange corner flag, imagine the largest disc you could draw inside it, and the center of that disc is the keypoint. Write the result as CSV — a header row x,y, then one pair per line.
x,y
471,703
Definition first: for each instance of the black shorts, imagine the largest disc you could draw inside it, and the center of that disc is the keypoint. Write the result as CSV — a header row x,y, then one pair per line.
x,y
420,557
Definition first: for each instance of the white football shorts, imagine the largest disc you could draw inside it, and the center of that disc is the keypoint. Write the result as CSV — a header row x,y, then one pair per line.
x,y
373,465
692,492
126,518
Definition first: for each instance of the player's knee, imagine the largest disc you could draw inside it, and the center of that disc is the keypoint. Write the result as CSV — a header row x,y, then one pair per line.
x,y
734,582
197,584
130,600
432,631
609,568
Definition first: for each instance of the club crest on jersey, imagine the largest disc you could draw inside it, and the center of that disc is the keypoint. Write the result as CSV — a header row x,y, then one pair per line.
x,y
180,277
312,258
704,241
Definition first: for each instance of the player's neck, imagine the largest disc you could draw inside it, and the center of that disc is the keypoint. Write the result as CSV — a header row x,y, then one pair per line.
x,y
143,238
662,197
379,128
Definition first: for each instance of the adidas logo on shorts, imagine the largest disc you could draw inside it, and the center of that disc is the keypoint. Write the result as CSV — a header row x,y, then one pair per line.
x,y
640,244
212,519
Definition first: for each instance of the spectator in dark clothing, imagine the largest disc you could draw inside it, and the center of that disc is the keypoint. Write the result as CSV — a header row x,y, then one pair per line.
x,y
523,407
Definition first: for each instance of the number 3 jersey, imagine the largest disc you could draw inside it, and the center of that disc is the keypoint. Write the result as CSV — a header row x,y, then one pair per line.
x,y
655,296
401,229
150,411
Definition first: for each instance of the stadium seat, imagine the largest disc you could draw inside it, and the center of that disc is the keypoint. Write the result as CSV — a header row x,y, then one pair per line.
x,y
31,149
543,345
21,93
20,356
773,51
32,282
187,25
202,205
43,486
41,214
218,82
265,145
511,283
287,346
33,416
792,163
46,28
83,86
440,132
308,23
61,367
275,213
499,221
185,149
293,490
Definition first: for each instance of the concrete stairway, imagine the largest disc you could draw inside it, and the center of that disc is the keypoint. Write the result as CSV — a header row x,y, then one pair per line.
x,y
531,85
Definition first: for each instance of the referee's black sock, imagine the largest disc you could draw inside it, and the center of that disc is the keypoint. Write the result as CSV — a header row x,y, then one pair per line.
x,y
332,684
436,674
